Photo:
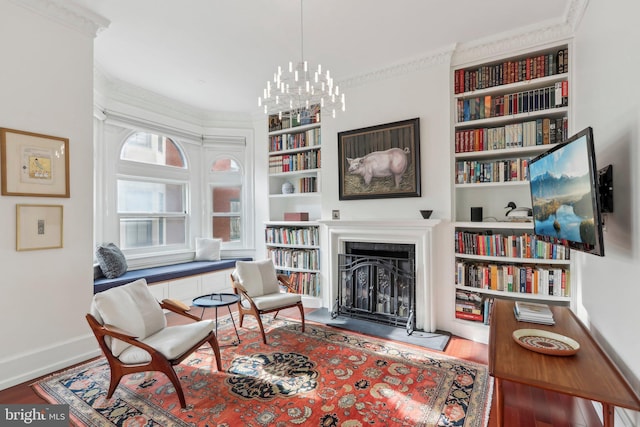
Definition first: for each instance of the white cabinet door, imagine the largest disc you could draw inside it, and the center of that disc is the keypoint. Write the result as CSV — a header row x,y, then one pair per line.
x,y
159,290
217,282
185,289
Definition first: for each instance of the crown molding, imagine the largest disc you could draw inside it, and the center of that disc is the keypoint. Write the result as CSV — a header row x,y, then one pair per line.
x,y
111,91
575,12
67,13
478,51
538,35
434,58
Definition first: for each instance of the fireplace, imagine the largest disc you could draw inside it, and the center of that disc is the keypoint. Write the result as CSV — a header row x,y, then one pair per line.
x,y
377,283
338,235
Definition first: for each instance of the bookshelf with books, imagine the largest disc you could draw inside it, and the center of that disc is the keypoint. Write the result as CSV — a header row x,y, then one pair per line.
x,y
294,248
505,112
497,261
295,161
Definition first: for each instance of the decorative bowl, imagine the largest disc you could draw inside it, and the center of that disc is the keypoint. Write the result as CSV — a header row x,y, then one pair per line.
x,y
546,342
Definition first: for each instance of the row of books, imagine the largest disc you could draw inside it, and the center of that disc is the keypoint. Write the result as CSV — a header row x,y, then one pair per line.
x,y
294,118
292,236
484,107
304,282
529,279
504,170
510,245
294,162
473,306
306,259
533,67
308,184
524,134
291,141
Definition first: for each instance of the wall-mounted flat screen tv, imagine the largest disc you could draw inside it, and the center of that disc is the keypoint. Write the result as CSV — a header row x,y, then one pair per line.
x,y
565,195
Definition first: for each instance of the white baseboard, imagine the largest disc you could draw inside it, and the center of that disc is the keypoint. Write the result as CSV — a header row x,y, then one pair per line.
x,y
43,361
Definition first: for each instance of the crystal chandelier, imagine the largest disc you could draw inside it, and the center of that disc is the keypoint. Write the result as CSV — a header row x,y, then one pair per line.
x,y
301,88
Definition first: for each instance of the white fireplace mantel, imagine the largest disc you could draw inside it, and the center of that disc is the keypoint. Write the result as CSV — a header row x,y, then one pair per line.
x,y
416,232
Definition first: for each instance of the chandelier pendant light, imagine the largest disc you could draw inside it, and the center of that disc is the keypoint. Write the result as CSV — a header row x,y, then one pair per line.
x,y
301,88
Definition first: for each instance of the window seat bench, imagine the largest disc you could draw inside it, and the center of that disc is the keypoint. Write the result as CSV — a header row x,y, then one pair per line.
x,y
166,273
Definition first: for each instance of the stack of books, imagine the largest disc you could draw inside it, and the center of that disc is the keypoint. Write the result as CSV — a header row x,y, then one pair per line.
x,y
469,306
533,312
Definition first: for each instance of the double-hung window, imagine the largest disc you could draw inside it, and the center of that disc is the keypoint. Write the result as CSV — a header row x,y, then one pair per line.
x,y
225,198
152,194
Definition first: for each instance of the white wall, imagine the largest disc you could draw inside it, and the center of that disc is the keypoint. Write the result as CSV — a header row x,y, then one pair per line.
x,y
607,98
46,85
423,93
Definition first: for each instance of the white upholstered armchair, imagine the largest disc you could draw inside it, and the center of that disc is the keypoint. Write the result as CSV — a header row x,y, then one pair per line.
x,y
132,331
259,288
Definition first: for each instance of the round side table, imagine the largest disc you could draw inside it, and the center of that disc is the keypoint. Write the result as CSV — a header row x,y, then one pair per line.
x,y
218,300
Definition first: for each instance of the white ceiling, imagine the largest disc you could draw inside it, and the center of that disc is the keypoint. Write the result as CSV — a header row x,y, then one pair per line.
x,y
216,55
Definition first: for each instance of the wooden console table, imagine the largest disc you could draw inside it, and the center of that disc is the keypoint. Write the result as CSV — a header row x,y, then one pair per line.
x,y
588,374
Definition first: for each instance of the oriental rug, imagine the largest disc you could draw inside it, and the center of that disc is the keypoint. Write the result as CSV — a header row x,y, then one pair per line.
x,y
323,377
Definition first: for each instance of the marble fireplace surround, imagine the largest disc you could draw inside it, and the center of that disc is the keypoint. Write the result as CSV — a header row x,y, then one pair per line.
x,y
416,232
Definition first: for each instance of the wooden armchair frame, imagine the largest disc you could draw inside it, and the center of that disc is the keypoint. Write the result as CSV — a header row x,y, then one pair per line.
x,y
158,361
255,311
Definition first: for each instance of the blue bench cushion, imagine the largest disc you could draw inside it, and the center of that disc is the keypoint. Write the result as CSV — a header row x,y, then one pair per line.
x,y
165,272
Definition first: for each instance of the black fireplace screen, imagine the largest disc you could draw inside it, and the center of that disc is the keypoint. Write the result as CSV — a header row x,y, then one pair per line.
x,y
377,288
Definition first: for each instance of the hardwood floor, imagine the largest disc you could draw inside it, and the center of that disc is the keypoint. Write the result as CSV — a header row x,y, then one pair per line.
x,y
524,406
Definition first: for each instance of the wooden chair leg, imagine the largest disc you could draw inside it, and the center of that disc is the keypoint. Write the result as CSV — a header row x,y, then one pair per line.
x,y
171,374
213,342
301,315
116,375
240,314
264,337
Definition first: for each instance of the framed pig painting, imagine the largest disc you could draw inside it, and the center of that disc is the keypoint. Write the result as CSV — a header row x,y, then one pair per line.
x,y
380,161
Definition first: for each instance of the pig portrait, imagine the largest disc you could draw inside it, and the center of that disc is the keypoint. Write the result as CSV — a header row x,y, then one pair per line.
x,y
391,162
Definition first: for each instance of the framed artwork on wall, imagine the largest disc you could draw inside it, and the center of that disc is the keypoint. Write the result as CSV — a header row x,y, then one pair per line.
x,y
38,227
34,164
380,161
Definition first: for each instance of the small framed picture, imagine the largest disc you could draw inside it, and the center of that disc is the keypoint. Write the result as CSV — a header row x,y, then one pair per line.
x,y
38,227
34,164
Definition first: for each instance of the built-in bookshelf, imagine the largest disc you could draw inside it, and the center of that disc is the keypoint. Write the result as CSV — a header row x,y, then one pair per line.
x,y
295,163
294,249
494,260
505,112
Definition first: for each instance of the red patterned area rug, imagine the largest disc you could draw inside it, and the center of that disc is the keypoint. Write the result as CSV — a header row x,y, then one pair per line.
x,y
323,377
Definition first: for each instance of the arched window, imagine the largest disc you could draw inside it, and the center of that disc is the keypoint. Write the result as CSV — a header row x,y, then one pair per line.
x,y
225,165
152,193
154,149
225,190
